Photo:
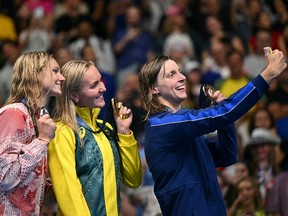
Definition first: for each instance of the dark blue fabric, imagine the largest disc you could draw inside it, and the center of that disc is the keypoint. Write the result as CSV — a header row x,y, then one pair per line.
x,y
183,161
136,50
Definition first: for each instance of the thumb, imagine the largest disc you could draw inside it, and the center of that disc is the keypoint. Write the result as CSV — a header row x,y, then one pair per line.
x,y
267,50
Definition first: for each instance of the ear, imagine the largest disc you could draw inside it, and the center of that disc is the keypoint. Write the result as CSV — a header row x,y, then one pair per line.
x,y
74,97
155,90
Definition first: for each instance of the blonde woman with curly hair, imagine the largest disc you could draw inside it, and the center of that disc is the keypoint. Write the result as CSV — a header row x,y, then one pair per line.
x,y
25,134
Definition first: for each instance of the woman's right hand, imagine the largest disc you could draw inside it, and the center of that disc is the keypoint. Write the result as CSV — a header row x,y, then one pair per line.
x,y
46,128
276,64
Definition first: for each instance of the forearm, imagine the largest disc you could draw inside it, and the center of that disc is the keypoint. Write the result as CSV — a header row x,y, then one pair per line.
x,y
120,45
232,210
132,170
225,152
243,100
268,76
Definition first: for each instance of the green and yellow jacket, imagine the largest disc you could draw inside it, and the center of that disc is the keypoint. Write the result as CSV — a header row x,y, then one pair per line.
x,y
86,180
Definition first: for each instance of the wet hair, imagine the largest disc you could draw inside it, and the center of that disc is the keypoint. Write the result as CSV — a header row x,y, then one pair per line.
x,y
27,80
73,72
147,79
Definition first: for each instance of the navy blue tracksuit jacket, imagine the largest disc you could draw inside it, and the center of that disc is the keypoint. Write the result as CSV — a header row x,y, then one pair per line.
x,y
183,161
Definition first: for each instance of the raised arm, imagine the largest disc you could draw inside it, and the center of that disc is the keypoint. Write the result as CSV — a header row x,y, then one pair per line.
x,y
276,64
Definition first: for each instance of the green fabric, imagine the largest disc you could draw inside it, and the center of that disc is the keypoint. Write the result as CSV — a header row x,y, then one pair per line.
x,y
89,168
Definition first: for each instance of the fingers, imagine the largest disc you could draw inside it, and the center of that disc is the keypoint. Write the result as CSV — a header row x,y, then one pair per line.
x,y
218,96
119,110
46,127
116,106
267,50
124,113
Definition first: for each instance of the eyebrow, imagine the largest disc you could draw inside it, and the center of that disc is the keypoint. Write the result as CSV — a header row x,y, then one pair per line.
x,y
56,68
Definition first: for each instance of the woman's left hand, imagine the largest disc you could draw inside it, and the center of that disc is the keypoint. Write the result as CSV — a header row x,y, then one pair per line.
x,y
123,119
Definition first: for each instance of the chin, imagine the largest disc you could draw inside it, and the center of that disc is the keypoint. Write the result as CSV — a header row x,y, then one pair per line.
x,y
55,93
100,105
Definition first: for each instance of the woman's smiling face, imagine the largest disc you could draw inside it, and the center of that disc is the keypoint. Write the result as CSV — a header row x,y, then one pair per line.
x,y
170,85
52,79
92,89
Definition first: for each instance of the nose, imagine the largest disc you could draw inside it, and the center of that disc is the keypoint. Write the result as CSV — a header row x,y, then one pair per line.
x,y
61,77
103,87
182,76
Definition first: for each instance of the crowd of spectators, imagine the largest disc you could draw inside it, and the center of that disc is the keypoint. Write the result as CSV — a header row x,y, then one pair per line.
x,y
217,42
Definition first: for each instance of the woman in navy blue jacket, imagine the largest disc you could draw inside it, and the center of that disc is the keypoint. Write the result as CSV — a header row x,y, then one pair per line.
x,y
182,160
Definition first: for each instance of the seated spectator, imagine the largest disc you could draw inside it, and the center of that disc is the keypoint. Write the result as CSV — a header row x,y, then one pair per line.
x,y
264,21
255,61
8,29
277,196
67,16
36,37
215,65
238,77
10,52
248,199
259,157
101,47
193,73
132,44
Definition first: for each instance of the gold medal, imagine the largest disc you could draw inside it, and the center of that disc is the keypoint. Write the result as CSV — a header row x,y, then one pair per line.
x,y
116,108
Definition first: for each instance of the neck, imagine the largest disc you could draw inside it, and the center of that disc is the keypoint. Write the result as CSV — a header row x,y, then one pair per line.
x,y
173,108
250,207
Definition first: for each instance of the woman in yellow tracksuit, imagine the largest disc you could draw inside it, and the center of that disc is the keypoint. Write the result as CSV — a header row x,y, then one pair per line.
x,y
87,160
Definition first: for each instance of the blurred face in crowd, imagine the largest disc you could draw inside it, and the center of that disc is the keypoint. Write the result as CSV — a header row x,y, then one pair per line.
x,y
246,192
89,54
262,119
261,151
235,63
241,170
263,39
133,16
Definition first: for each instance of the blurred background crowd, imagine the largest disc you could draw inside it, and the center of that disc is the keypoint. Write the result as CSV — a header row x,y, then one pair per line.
x,y
218,42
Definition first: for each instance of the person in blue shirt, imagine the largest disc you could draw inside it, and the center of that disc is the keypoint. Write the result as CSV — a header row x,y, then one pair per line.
x,y
181,158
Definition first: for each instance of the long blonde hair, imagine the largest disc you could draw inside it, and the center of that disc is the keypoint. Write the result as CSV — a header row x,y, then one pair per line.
x,y
73,72
27,80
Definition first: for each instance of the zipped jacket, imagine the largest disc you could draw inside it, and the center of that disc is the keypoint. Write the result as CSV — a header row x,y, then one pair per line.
x,y
183,160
